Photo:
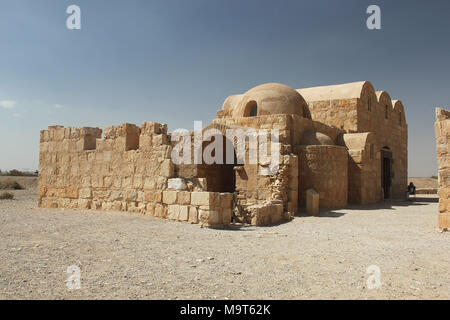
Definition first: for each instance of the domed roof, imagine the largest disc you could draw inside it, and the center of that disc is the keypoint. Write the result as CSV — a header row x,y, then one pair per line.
x,y
311,138
270,98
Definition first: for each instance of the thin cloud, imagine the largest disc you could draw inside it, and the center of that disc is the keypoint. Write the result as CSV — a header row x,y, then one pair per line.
x,y
8,104
58,106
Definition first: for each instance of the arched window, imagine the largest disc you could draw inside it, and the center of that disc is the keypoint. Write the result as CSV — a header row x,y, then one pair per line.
x,y
400,119
251,109
369,107
386,112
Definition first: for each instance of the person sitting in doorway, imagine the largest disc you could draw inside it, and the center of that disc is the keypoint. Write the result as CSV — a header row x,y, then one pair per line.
x,y
411,191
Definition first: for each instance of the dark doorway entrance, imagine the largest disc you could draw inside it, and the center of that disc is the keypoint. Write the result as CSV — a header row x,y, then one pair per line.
x,y
221,177
386,172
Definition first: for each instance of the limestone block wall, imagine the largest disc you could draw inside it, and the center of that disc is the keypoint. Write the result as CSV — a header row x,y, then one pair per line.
x,y
387,124
291,127
338,113
386,120
442,128
256,191
357,108
324,169
252,188
128,170
363,168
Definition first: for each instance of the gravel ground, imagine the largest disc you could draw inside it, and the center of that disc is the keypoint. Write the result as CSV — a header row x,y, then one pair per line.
x,y
132,256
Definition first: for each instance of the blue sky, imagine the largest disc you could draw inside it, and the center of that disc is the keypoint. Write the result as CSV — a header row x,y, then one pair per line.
x,y
176,61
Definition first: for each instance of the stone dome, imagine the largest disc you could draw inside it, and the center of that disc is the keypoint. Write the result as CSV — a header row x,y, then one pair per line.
x,y
270,98
311,138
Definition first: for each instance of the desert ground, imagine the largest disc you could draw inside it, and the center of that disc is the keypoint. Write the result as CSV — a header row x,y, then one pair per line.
x,y
133,256
424,183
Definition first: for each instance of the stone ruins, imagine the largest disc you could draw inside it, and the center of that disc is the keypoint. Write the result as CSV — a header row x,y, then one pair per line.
x,y
442,127
337,144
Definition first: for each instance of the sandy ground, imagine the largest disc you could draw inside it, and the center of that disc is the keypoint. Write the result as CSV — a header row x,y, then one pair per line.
x,y
129,256
424,183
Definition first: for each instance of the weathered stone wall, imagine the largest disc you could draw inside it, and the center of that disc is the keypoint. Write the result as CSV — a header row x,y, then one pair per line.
x,y
388,125
253,188
363,168
349,127
324,169
342,113
442,128
129,170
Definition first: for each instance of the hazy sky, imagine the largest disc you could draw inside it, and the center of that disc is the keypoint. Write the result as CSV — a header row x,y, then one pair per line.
x,y
176,61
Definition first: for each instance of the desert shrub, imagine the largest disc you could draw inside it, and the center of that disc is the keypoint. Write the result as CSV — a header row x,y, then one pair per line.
x,y
6,196
18,173
10,185
434,177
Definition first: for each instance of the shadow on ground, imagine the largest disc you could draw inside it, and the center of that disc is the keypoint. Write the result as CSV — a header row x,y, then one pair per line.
x,y
385,205
337,213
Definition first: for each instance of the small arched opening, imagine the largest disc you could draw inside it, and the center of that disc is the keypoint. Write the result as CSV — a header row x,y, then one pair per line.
x,y
251,109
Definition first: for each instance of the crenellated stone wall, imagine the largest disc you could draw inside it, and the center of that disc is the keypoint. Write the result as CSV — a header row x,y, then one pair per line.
x,y
129,170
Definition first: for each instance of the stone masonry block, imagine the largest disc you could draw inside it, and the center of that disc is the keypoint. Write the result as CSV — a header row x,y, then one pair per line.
x,y
204,198
85,193
226,200
183,213
167,168
444,221
193,214
174,212
312,202
170,197
176,184
184,198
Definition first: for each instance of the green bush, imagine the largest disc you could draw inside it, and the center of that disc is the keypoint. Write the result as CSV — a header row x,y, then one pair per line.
x,y
6,196
434,177
10,185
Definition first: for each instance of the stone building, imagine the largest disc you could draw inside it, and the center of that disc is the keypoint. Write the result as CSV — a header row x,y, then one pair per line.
x,y
442,127
347,142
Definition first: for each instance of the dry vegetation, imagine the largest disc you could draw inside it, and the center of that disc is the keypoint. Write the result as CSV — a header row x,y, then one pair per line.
x,y
6,196
10,185
18,173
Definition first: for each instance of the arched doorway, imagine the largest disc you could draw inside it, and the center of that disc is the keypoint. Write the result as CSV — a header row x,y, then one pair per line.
x,y
221,177
386,171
